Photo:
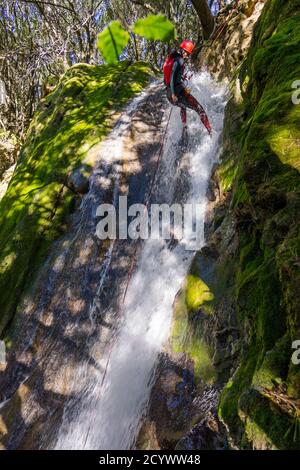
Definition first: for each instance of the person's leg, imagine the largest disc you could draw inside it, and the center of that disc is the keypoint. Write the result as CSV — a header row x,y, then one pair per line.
x,y
189,101
183,115
180,105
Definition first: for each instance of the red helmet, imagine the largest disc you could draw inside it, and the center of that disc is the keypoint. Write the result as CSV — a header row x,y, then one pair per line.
x,y
187,46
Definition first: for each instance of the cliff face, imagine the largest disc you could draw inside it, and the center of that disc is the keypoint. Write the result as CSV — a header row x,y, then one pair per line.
x,y
260,401
231,39
246,281
68,313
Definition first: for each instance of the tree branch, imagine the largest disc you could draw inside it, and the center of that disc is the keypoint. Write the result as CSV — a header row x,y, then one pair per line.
x,y
146,6
205,16
38,2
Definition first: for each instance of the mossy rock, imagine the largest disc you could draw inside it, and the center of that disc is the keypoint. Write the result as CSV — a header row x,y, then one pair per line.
x,y
265,189
186,335
69,122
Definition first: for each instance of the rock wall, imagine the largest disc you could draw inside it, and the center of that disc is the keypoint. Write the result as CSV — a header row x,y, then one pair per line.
x,y
259,184
226,378
8,152
53,169
230,42
238,314
251,261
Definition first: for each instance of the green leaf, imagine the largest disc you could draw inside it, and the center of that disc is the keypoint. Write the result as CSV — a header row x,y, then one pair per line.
x,y
155,27
112,41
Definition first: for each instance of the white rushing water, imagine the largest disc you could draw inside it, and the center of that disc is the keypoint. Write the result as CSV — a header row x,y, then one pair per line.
x,y
110,415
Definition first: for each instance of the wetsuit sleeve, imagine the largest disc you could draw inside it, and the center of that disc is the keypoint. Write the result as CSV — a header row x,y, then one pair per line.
x,y
174,70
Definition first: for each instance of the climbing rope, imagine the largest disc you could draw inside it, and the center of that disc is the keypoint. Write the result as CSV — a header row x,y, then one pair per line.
x,y
134,258
221,28
148,201
133,263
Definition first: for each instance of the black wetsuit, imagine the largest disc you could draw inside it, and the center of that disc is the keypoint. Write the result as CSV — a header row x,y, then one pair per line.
x,y
184,98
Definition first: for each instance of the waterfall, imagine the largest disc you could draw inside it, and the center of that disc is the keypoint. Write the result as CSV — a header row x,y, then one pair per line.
x,y
109,415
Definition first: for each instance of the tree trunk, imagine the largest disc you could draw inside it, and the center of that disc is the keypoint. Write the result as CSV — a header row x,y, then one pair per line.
x,y
205,16
136,51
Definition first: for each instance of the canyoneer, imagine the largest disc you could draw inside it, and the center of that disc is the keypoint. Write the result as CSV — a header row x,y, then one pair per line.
x,y
178,94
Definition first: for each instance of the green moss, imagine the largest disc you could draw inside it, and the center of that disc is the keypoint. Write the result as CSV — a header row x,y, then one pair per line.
x,y
275,364
229,167
179,326
284,139
265,362
260,166
256,435
265,200
203,357
229,402
227,172
274,65
186,335
75,117
266,425
197,293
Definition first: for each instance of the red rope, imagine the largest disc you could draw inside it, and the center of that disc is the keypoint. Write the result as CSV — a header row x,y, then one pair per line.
x,y
133,259
133,263
222,26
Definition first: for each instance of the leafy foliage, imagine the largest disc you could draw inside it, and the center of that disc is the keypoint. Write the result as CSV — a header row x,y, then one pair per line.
x,y
112,41
38,42
180,13
156,28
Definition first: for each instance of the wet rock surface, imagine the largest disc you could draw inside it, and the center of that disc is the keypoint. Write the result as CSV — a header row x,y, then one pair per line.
x,y
67,320
245,276
181,415
5,179
79,180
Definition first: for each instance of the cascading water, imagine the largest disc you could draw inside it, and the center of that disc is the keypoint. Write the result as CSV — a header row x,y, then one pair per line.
x,y
109,414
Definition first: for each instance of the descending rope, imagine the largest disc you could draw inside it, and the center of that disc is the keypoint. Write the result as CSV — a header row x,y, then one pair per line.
x,y
133,263
221,28
148,200
130,272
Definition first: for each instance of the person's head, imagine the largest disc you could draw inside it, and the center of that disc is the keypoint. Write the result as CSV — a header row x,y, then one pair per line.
x,y
187,48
